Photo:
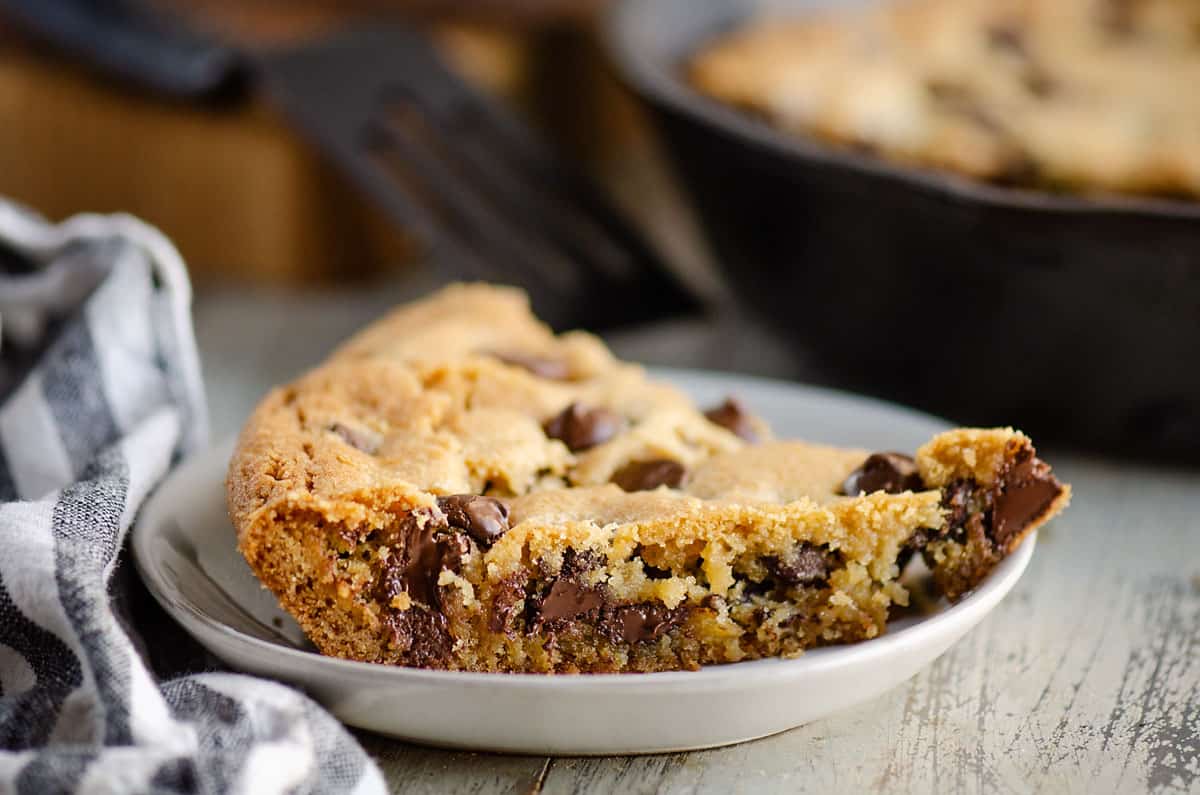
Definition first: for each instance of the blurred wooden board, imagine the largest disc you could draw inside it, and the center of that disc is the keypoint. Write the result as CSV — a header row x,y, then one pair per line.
x,y
239,193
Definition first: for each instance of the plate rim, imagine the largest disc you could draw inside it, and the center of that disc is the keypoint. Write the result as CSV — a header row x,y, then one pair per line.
x,y
983,598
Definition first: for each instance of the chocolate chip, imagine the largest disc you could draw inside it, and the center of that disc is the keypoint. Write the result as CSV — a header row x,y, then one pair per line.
x,y
647,475
421,635
508,593
808,565
419,556
358,437
485,519
580,428
1025,492
641,622
1007,37
733,417
541,366
569,600
890,472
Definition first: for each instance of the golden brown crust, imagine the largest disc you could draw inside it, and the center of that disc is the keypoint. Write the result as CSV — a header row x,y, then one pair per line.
x,y
342,489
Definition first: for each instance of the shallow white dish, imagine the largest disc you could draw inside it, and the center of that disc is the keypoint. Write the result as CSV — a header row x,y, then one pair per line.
x,y
184,546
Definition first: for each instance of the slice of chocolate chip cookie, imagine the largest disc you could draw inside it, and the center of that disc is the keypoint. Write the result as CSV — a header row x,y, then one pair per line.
x,y
459,488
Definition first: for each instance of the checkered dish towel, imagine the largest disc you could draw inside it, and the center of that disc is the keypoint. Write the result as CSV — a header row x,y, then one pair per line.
x,y
101,392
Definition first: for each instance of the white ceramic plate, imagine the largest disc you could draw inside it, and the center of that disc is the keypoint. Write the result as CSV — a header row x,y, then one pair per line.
x,y
184,546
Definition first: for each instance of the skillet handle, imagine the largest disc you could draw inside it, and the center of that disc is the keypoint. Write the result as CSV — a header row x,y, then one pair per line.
x,y
125,39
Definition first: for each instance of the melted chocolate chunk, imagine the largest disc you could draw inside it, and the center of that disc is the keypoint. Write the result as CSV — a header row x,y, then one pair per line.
x,y
485,519
567,601
419,555
1022,496
360,438
639,623
580,428
648,475
421,632
733,417
509,593
890,472
809,565
541,366
422,635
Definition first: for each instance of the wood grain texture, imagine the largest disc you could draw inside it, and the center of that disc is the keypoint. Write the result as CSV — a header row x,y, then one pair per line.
x,y
426,771
1085,679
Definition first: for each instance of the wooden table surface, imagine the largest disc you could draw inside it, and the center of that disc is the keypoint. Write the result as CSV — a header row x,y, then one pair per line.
x,y
1085,679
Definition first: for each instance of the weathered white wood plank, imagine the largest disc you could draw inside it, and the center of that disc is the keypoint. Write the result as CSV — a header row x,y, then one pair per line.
x,y
413,770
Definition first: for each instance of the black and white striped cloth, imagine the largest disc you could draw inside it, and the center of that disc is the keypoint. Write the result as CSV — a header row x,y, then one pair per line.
x,y
101,393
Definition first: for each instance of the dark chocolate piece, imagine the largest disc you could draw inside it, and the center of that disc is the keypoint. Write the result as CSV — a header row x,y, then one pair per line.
x,y
890,472
641,622
509,594
541,366
647,475
569,600
419,554
808,565
733,417
1025,492
579,427
358,437
422,635
485,519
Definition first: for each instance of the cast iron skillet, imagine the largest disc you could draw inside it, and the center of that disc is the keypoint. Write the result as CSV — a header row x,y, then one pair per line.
x,y
1076,318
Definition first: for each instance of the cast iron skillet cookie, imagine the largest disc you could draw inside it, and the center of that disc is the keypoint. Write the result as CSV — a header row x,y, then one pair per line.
x,y
459,488
1067,313
1083,96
